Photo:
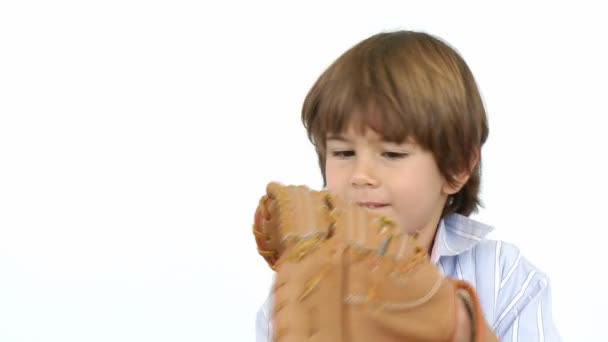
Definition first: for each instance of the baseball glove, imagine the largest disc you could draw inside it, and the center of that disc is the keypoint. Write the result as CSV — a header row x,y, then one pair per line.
x,y
345,273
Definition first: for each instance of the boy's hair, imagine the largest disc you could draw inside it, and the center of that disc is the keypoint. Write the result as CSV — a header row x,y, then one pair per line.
x,y
405,85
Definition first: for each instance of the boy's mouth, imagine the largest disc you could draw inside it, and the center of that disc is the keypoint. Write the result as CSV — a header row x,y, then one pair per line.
x,y
372,205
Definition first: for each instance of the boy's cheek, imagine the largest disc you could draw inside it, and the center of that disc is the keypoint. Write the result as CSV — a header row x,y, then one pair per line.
x,y
335,183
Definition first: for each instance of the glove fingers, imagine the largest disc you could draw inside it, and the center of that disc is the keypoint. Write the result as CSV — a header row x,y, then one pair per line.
x,y
285,215
363,229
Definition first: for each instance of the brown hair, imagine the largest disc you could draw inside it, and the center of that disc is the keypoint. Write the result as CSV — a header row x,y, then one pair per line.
x,y
404,85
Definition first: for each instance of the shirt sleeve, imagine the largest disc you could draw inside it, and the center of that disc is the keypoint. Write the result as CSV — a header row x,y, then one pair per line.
x,y
523,310
533,321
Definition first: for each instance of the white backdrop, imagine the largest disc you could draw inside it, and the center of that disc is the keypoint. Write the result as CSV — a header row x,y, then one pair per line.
x,y
137,136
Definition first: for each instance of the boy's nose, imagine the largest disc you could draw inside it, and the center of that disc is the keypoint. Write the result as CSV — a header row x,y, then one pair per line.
x,y
363,176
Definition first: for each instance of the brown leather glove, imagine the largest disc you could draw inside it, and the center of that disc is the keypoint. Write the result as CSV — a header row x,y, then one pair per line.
x,y
344,273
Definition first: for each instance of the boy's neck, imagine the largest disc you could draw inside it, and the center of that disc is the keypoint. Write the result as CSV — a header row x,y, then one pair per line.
x,y
426,238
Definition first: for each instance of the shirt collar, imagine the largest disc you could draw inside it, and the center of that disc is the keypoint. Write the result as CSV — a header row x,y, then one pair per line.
x,y
457,234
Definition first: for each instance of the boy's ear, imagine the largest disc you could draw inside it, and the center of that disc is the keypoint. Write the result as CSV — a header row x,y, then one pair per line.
x,y
461,178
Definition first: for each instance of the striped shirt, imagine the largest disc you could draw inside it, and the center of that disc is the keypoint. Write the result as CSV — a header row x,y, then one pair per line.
x,y
515,296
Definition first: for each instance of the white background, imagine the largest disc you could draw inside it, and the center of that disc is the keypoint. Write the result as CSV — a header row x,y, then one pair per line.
x,y
137,137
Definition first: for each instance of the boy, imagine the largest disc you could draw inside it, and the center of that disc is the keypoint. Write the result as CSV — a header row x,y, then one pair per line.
x,y
398,124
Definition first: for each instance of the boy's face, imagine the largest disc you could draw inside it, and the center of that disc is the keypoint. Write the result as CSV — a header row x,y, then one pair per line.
x,y
400,181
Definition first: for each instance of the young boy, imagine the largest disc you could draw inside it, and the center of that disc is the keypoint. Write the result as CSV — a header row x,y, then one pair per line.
x,y
398,125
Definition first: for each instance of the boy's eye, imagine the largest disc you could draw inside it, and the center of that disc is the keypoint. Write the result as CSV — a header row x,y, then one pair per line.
x,y
343,154
394,155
